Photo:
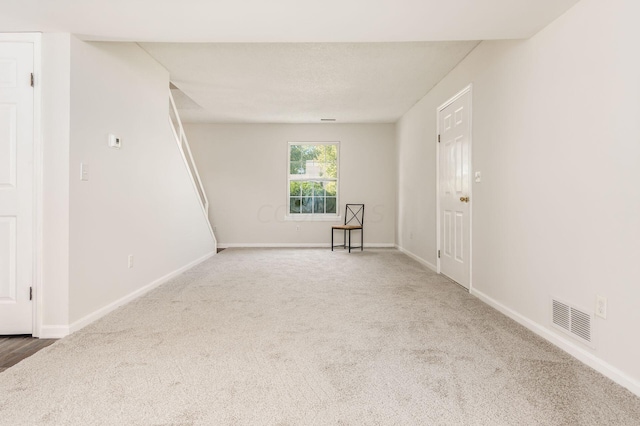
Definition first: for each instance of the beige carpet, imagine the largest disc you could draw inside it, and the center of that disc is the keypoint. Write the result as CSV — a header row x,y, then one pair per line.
x,y
307,336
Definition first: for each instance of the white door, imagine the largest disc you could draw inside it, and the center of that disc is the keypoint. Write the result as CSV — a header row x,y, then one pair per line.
x,y
16,187
454,124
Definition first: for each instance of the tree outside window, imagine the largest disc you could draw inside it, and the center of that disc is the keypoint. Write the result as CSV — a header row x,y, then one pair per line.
x,y
313,178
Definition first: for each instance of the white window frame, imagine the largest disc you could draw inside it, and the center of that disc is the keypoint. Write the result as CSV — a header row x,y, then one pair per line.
x,y
314,217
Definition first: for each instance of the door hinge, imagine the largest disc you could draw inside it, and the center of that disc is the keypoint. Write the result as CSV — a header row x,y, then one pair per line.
x,y
30,293
438,135
438,254
32,80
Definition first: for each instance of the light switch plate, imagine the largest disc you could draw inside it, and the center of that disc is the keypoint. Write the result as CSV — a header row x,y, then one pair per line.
x,y
478,177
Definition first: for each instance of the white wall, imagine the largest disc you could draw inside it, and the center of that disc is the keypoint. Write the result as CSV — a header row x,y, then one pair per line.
x,y
55,83
416,196
139,199
556,136
244,171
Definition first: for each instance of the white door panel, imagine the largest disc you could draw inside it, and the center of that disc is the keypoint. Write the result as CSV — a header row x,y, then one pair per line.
x,y
7,146
454,165
8,288
16,187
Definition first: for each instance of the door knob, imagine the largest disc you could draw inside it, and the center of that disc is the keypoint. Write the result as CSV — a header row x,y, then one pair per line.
x,y
464,199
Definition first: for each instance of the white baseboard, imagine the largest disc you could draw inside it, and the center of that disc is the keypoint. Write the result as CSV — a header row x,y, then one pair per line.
x,y
53,331
566,345
417,258
296,245
88,319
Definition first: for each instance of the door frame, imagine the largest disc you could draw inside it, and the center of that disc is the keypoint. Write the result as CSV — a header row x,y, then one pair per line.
x,y
468,89
36,40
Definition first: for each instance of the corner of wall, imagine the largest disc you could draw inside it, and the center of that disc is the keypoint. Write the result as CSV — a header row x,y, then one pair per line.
x,y
138,200
53,294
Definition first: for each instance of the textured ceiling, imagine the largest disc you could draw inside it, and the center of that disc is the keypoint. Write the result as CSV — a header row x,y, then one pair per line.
x,y
293,60
283,20
304,82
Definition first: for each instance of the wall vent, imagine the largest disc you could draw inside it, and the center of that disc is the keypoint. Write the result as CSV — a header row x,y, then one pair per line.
x,y
572,320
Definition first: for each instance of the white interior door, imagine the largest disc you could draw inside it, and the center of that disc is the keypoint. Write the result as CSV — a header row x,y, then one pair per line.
x,y
16,187
454,124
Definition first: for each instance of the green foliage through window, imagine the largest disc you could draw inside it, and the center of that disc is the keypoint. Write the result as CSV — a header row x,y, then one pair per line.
x,y
313,178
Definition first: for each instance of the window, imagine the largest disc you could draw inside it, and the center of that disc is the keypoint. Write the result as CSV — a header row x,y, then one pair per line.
x,y
313,178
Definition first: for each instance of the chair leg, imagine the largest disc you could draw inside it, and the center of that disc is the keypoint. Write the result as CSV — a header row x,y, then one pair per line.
x,y
349,240
344,239
362,240
332,239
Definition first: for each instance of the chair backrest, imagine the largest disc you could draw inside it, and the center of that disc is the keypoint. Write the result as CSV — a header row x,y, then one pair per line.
x,y
354,213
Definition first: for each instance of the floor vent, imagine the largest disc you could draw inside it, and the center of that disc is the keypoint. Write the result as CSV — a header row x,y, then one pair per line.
x,y
573,321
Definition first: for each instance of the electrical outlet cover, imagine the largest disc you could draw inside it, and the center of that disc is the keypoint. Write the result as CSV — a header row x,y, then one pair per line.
x,y
601,307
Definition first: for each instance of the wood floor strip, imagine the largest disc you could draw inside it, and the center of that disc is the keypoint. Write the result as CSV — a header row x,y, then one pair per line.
x,y
14,349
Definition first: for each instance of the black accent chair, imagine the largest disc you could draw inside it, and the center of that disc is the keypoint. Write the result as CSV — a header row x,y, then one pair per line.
x,y
353,220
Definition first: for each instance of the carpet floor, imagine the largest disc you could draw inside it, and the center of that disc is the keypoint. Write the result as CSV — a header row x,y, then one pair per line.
x,y
308,337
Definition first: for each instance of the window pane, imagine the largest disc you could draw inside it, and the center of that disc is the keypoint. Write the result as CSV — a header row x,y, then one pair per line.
x,y
331,154
294,204
330,187
318,189
296,168
308,152
296,154
314,169
320,170
331,205
330,170
295,188
320,150
318,205
307,188
313,178
307,205
331,161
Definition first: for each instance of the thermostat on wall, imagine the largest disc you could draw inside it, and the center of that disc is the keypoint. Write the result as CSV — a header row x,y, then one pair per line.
x,y
114,141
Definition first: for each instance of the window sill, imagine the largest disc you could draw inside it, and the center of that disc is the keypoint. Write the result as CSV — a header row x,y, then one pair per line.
x,y
312,218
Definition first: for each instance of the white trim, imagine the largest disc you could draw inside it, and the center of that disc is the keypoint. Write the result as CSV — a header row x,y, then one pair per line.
x,y
437,190
456,97
179,136
32,37
467,89
581,354
53,331
312,218
88,319
36,40
298,245
38,166
417,258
